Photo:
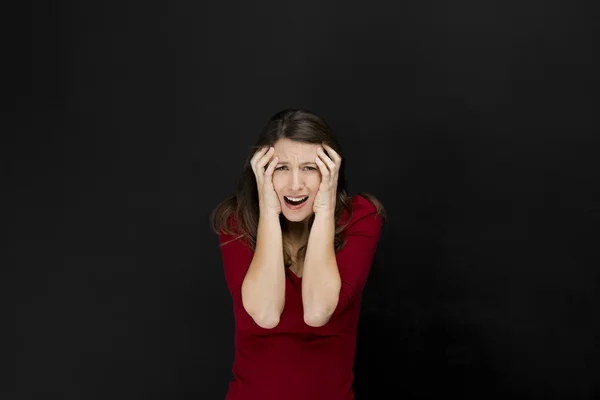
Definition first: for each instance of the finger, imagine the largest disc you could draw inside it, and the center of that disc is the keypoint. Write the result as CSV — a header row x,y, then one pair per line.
x,y
264,160
257,155
332,153
258,170
322,167
330,164
271,168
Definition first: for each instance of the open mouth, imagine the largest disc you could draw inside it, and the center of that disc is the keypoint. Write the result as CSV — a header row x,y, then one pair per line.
x,y
295,201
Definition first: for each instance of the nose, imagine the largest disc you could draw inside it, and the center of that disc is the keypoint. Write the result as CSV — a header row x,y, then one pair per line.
x,y
297,184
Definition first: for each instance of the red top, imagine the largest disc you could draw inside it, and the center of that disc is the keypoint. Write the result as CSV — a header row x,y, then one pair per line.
x,y
294,361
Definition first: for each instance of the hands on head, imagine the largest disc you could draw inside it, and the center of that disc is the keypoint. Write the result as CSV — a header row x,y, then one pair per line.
x,y
263,164
328,162
330,168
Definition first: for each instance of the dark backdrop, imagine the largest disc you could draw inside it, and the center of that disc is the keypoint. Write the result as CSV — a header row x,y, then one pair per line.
x,y
473,122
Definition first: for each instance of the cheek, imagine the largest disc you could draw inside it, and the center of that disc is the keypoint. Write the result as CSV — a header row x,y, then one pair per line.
x,y
315,183
277,183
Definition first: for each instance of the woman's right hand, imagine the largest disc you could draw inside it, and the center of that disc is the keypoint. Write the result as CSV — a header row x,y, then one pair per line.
x,y
267,197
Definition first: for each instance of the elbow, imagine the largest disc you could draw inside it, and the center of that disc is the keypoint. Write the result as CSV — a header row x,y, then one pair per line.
x,y
319,316
266,315
316,320
266,320
267,323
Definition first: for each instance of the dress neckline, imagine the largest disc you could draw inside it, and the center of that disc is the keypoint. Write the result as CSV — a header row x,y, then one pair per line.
x,y
293,274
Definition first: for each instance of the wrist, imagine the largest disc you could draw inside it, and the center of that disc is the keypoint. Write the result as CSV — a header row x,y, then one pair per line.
x,y
268,214
324,214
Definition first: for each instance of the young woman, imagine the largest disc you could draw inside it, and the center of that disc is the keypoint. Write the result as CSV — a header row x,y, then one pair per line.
x,y
296,252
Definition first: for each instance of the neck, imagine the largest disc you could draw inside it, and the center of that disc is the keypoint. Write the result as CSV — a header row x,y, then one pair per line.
x,y
297,231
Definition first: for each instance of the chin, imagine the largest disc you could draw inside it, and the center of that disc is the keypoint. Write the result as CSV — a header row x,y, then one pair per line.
x,y
295,216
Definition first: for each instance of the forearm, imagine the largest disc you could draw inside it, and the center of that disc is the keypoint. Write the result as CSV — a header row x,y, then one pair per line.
x,y
320,277
263,289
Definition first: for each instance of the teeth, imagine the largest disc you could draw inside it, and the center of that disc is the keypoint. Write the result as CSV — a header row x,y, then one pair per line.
x,y
296,198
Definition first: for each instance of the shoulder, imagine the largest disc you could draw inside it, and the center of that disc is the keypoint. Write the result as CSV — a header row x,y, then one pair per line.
x,y
362,205
232,232
363,213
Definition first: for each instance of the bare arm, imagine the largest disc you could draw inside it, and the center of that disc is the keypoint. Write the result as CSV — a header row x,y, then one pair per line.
x,y
263,289
321,281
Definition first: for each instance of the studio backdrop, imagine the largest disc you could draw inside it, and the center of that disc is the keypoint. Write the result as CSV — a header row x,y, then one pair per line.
x,y
474,123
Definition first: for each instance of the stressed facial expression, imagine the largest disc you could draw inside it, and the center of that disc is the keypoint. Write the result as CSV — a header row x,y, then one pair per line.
x,y
296,178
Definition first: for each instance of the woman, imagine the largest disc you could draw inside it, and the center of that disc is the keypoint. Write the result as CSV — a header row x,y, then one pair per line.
x,y
296,253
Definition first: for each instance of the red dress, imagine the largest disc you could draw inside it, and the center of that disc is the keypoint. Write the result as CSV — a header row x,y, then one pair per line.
x,y
294,361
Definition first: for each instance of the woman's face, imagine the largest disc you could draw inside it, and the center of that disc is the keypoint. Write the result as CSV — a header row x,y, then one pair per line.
x,y
296,176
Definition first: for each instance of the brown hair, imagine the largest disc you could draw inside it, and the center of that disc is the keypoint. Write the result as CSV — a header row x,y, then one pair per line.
x,y
300,126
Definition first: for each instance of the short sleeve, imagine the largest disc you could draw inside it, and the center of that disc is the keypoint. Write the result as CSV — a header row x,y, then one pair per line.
x,y
237,256
354,260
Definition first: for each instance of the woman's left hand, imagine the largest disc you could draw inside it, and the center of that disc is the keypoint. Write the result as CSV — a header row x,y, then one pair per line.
x,y
329,167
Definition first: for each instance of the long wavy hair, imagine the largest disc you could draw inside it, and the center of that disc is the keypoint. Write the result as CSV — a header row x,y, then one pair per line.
x,y
300,126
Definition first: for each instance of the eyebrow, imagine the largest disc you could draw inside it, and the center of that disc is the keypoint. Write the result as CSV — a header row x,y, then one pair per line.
x,y
301,164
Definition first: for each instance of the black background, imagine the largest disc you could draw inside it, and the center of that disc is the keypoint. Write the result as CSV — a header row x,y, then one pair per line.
x,y
474,122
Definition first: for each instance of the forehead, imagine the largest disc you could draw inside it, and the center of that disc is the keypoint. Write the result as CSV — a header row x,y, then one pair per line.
x,y
286,148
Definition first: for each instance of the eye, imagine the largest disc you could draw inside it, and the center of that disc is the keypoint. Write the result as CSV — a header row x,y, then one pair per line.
x,y
280,168
310,168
